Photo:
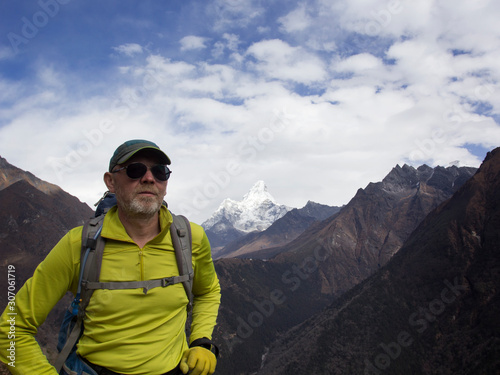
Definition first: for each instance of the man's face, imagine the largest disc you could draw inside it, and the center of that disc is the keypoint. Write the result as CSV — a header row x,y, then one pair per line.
x,y
140,197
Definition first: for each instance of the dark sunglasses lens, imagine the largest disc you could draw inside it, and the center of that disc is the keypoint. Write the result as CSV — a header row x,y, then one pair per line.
x,y
136,170
161,172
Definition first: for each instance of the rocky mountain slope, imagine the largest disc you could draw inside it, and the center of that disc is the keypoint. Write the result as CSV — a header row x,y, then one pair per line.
x,y
373,226
234,219
433,309
34,215
10,174
263,299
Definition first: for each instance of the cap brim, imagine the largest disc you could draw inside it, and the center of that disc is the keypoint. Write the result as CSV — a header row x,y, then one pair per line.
x,y
164,159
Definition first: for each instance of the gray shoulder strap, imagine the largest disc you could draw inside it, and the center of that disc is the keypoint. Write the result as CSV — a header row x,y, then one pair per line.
x,y
91,261
182,241
91,243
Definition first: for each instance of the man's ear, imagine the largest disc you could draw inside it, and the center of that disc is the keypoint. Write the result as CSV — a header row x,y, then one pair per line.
x,y
108,180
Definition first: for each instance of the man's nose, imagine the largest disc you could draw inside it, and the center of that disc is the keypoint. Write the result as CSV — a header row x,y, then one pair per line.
x,y
148,177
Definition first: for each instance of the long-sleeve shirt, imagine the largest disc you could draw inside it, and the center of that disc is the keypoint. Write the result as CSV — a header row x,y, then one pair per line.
x,y
125,330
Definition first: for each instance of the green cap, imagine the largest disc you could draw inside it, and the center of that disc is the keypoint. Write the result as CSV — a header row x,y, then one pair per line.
x,y
130,148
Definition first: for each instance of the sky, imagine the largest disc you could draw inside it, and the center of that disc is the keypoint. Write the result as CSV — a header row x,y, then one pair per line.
x,y
317,98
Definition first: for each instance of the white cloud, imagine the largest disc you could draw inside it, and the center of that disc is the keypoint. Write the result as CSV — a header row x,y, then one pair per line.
x,y
228,14
278,60
359,63
232,41
191,42
50,77
229,41
164,70
129,49
297,20
6,53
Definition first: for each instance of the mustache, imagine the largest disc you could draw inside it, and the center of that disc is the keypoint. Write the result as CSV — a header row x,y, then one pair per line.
x,y
151,191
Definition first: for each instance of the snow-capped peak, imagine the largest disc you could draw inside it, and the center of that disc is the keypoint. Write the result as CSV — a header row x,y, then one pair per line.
x,y
257,211
258,193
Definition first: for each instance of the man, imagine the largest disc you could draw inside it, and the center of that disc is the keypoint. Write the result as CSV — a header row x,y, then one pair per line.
x,y
126,331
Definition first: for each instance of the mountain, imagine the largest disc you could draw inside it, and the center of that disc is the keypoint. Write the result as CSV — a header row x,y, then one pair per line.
x,y
233,219
373,226
10,174
261,300
34,215
318,211
262,245
433,309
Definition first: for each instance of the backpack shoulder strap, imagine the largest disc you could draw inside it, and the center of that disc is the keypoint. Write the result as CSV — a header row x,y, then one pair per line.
x,y
182,241
92,243
91,258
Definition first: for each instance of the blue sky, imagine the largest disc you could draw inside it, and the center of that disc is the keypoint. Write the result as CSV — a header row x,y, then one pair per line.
x,y
316,98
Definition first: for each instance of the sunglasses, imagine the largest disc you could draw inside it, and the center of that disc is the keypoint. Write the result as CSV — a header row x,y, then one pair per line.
x,y
138,170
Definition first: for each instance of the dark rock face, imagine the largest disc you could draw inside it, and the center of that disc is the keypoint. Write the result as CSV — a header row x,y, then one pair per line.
x,y
372,227
433,309
223,233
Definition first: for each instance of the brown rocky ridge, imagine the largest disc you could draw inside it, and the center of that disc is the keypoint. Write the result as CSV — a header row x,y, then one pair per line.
x,y
433,309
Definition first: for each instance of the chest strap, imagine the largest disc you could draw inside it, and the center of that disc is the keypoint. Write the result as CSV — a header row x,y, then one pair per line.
x,y
146,285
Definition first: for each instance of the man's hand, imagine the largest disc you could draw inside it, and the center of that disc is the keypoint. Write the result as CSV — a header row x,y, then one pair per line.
x,y
198,361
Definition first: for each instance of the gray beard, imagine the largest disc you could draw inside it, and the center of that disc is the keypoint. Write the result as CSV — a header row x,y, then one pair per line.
x,y
143,208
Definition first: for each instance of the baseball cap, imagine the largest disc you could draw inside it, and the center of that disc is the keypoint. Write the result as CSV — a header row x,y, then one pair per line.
x,y
126,150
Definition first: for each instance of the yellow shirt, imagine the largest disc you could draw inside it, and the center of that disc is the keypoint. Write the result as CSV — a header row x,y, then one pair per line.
x,y
124,330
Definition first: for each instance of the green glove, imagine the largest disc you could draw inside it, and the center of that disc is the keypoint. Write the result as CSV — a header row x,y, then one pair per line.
x,y
199,360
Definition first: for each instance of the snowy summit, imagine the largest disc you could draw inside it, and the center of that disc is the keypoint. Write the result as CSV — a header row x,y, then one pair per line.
x,y
256,212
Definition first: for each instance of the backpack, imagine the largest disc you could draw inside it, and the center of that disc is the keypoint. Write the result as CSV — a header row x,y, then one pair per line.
x,y
90,269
